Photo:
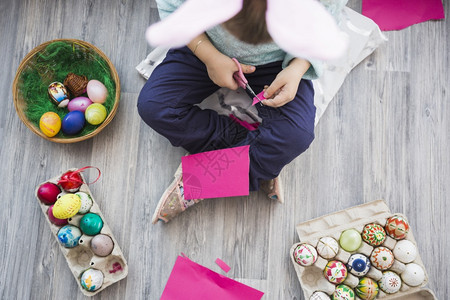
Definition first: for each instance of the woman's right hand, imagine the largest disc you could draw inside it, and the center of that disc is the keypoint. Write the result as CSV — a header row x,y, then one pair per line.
x,y
221,69
219,66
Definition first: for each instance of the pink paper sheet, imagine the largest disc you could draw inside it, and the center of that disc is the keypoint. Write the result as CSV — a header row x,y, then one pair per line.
x,y
191,281
399,14
214,174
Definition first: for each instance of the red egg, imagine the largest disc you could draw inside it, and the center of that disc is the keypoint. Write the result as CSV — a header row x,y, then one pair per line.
x,y
48,193
71,181
54,220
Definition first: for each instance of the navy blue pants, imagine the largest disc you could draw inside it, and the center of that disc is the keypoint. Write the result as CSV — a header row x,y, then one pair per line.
x,y
167,104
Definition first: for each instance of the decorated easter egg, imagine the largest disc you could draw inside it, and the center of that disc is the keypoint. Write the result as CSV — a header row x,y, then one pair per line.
x,y
350,240
382,258
390,282
305,255
91,224
358,264
367,289
50,124
102,245
97,91
397,227
327,247
343,292
86,202
71,181
67,206
48,192
58,94
69,236
73,122
91,279
56,221
374,234
95,114
413,275
335,271
319,296
405,251
79,104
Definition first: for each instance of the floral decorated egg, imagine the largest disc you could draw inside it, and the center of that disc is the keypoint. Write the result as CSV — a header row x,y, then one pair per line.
x,y
413,275
305,255
86,202
92,279
390,282
374,234
367,289
335,272
358,264
405,251
343,292
327,247
397,227
69,236
350,240
382,258
319,296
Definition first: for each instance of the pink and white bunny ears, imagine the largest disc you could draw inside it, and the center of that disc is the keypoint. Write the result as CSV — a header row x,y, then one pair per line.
x,y
303,28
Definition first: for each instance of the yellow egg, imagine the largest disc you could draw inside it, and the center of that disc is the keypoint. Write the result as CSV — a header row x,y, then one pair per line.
x,y
50,124
67,206
95,114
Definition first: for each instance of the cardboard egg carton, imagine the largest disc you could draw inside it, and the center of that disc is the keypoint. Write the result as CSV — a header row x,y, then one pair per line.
x,y
312,278
80,258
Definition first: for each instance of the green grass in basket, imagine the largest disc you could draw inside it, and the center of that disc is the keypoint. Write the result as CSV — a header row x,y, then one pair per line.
x,y
53,63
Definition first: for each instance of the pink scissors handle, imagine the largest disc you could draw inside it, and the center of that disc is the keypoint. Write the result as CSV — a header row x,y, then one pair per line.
x,y
239,75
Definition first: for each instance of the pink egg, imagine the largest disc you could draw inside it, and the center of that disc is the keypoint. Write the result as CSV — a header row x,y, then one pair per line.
x,y
79,103
96,91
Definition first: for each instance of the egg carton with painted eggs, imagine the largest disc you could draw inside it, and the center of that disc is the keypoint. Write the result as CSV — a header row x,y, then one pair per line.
x,y
85,239
351,254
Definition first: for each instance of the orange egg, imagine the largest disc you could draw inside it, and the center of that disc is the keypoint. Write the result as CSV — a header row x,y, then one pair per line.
x,y
50,124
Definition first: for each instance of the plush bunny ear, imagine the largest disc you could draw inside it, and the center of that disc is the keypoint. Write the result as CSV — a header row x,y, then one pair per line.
x,y
304,28
191,19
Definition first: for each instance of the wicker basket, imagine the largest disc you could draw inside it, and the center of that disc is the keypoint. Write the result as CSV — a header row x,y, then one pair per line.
x,y
20,103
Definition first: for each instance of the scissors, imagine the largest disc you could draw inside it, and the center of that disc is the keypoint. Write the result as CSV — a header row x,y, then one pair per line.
x,y
243,83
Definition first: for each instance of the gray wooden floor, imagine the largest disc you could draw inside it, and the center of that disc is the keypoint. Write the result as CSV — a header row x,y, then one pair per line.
x,y
385,136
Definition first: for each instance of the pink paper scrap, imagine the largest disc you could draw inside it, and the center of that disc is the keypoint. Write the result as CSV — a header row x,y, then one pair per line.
x,y
258,98
399,14
215,174
223,265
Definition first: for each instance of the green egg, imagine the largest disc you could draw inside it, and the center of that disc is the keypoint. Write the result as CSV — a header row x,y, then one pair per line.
x,y
91,224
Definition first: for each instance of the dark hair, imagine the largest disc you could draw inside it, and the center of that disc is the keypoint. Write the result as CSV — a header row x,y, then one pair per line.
x,y
249,25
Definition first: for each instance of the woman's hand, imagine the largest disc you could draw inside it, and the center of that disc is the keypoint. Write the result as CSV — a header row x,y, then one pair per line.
x,y
284,88
221,69
219,66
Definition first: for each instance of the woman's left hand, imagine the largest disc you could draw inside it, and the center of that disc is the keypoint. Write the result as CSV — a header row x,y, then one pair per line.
x,y
284,88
